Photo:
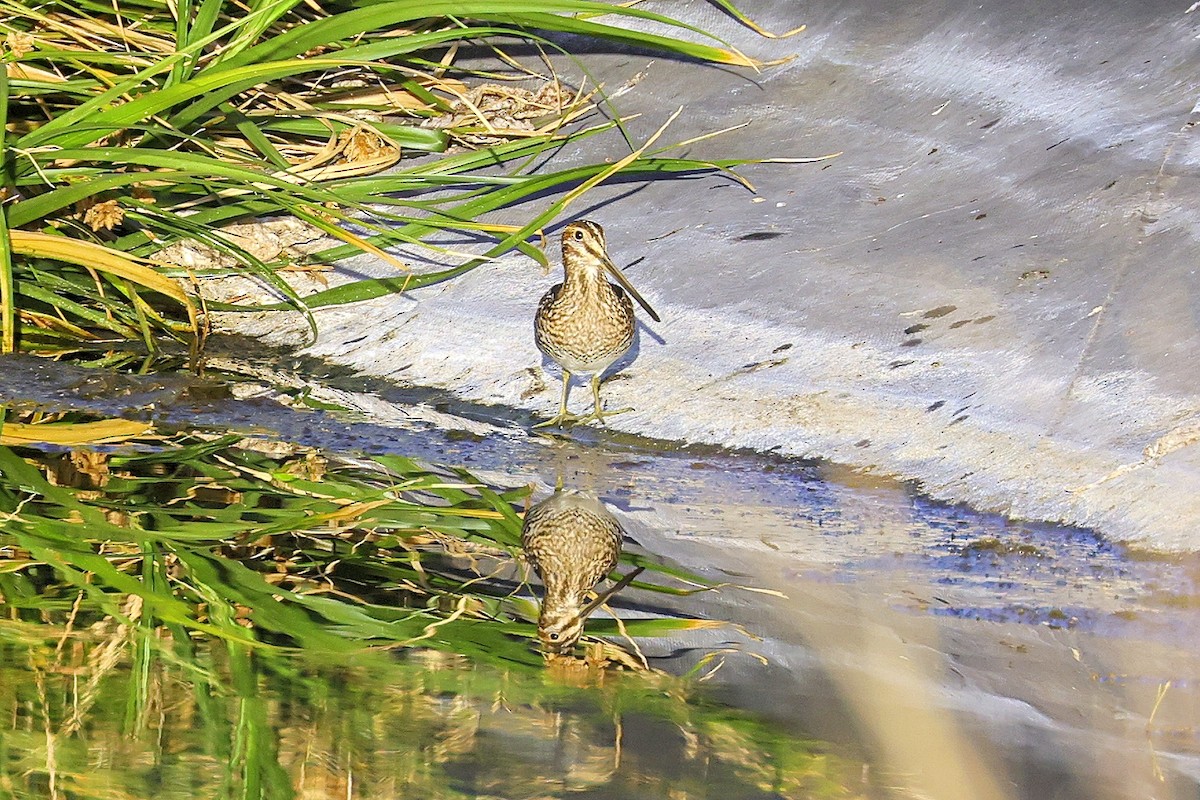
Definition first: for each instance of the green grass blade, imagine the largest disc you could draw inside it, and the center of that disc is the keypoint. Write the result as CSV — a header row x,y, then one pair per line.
x,y
531,14
8,304
99,111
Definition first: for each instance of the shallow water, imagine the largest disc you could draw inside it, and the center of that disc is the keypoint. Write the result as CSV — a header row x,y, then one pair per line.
x,y
219,721
956,654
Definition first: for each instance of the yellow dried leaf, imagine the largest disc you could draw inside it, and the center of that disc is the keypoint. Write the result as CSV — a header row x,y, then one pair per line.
x,y
72,433
94,256
25,72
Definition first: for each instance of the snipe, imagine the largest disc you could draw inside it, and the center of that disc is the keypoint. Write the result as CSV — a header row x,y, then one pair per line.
x,y
573,542
586,323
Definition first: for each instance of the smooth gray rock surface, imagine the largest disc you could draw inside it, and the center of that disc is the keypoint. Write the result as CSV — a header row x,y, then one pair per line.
x,y
992,291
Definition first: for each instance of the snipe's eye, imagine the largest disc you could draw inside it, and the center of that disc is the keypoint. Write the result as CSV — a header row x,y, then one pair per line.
x,y
579,236
554,637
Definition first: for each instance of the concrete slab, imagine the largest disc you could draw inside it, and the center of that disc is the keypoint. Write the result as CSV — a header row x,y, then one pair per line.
x,y
993,291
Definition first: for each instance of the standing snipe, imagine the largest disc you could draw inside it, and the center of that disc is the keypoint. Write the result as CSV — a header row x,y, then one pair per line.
x,y
573,542
586,323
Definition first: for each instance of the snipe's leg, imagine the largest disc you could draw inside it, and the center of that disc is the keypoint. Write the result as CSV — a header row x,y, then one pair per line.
x,y
598,412
562,417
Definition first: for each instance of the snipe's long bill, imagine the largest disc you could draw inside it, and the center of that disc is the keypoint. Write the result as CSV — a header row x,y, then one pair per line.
x,y
586,323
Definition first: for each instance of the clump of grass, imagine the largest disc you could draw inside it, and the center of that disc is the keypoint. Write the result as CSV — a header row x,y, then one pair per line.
x,y
137,127
269,544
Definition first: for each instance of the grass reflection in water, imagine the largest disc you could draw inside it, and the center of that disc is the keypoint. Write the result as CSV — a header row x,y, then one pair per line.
x,y
124,714
198,617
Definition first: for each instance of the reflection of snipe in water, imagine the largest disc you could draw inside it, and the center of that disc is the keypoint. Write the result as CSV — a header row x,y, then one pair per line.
x,y
573,542
586,323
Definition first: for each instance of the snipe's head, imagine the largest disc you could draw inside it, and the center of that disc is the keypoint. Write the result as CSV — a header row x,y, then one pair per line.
x,y
559,629
583,250
585,259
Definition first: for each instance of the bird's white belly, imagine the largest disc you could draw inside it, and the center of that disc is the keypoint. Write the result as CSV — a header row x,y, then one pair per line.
x,y
577,366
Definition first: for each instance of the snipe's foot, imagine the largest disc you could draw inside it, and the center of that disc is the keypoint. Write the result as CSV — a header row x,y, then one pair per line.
x,y
561,419
599,415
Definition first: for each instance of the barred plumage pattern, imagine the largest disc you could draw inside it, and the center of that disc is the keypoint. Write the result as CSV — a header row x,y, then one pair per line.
x,y
573,542
584,327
